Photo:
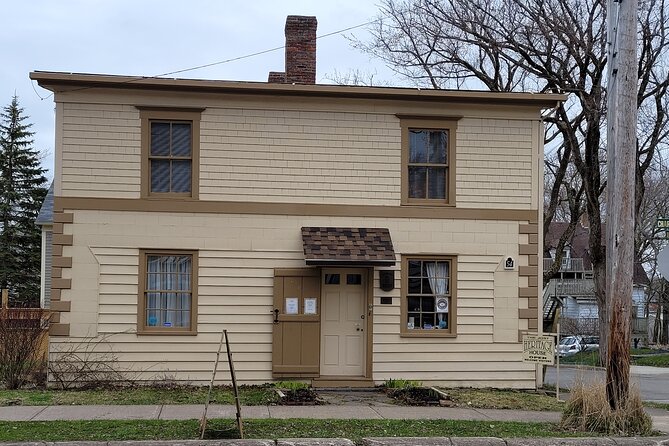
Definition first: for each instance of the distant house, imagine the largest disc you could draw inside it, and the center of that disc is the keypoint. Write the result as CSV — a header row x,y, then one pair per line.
x,y
344,235
573,285
45,221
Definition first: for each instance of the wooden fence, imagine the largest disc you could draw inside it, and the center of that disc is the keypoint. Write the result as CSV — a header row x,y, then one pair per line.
x,y
21,318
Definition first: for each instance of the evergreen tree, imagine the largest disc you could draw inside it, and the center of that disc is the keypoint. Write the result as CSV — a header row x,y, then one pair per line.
x,y
22,191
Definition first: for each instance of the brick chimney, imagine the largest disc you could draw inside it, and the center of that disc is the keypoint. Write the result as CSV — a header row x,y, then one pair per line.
x,y
300,52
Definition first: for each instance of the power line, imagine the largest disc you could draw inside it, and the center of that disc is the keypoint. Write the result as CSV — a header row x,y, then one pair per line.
x,y
259,52
221,62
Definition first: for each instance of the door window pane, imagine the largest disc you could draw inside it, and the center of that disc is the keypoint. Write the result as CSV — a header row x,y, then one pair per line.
x,y
332,279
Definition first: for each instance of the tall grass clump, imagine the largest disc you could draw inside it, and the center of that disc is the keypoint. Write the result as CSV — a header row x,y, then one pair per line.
x,y
401,384
588,410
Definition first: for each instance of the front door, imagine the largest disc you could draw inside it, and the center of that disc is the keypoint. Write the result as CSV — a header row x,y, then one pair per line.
x,y
343,324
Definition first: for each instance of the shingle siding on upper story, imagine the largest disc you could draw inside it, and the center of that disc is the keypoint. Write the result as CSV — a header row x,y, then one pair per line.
x,y
279,154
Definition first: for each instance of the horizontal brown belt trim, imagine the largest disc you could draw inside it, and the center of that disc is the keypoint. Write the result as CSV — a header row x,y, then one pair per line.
x,y
336,210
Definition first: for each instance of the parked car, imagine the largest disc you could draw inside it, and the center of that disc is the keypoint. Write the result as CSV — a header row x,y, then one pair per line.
x,y
570,345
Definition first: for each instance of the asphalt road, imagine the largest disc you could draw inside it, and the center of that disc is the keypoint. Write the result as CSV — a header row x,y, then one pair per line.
x,y
653,382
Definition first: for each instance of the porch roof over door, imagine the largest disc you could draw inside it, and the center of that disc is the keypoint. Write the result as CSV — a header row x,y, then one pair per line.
x,y
347,246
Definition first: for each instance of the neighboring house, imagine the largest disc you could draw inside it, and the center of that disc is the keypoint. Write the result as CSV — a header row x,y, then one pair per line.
x,y
342,234
45,221
574,287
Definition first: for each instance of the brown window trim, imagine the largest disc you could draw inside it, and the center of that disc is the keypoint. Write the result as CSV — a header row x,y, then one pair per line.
x,y
448,124
142,329
452,315
148,114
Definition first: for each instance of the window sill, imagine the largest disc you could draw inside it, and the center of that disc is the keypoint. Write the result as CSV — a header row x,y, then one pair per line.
x,y
427,334
427,203
170,197
144,332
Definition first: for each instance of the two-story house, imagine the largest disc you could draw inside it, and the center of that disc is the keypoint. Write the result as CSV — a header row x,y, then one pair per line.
x,y
342,234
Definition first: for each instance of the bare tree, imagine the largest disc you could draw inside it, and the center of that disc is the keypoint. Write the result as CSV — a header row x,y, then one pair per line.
x,y
356,77
556,46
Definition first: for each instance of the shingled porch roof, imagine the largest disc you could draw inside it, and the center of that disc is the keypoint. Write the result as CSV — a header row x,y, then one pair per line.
x,y
347,246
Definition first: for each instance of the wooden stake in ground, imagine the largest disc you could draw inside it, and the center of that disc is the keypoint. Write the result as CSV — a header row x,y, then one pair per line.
x,y
203,421
621,165
234,386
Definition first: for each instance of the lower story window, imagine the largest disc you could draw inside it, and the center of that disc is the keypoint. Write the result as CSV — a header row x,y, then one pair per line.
x,y
168,292
429,295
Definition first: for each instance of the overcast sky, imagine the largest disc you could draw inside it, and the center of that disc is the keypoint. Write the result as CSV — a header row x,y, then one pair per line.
x,y
151,37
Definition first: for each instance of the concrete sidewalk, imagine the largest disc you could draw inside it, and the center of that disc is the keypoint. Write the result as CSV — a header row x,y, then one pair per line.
x,y
188,412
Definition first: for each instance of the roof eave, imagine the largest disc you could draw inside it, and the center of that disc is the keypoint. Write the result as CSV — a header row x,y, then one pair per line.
x,y
58,82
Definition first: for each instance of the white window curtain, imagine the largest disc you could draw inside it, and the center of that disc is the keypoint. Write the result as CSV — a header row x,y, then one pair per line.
x,y
437,274
168,296
153,314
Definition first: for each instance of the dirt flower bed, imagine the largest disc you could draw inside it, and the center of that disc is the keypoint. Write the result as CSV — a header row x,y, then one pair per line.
x,y
299,397
414,396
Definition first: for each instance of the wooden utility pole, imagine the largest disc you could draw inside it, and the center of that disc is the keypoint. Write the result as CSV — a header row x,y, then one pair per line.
x,y
621,165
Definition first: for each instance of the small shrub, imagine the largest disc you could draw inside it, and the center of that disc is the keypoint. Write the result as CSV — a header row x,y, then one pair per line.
x,y
401,384
89,364
23,332
291,385
588,411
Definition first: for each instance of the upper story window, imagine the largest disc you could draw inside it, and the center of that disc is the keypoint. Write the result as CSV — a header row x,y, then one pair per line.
x,y
170,152
428,161
171,157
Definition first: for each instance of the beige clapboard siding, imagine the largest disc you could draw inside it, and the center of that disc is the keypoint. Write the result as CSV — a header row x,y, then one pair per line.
x,y
236,288
256,151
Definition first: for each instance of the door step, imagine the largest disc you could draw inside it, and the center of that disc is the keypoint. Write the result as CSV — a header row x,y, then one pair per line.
x,y
341,383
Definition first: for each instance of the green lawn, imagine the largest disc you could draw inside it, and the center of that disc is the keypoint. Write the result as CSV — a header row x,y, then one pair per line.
x,y
503,399
582,358
664,406
659,360
249,395
267,428
592,358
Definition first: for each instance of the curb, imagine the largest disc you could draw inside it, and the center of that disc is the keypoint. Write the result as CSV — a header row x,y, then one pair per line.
x,y
379,441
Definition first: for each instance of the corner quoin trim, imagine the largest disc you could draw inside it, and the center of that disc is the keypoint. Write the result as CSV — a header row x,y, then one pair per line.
x,y
59,264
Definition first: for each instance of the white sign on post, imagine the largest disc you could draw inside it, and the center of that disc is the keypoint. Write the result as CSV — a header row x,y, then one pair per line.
x,y
663,262
538,349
